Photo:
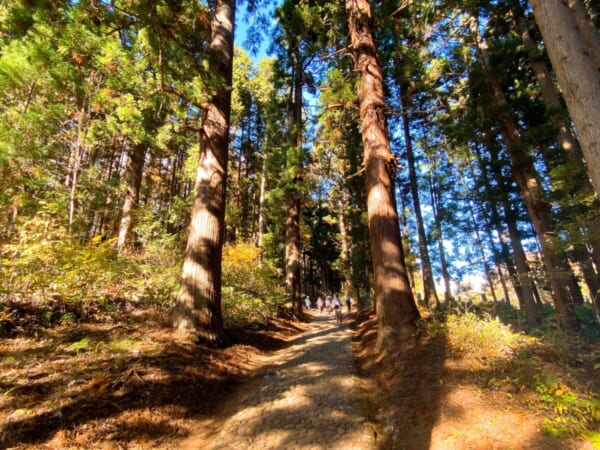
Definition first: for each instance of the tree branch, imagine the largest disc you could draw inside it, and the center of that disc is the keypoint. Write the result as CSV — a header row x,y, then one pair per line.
x,y
400,112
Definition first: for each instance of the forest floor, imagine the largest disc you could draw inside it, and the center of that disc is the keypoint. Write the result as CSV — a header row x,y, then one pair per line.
x,y
435,394
118,377
115,377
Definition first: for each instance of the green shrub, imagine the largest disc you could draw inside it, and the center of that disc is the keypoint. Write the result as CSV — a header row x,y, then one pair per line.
x,y
568,412
51,268
251,294
588,321
480,337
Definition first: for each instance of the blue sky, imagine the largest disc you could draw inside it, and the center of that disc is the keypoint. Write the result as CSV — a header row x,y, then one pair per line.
x,y
243,22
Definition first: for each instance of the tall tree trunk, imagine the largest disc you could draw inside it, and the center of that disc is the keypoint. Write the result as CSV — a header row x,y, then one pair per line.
x,y
261,210
292,252
404,238
590,276
505,253
345,243
431,297
501,278
531,191
587,30
523,282
476,227
494,222
346,253
396,309
198,305
488,224
293,239
565,138
435,204
567,141
577,74
77,154
135,169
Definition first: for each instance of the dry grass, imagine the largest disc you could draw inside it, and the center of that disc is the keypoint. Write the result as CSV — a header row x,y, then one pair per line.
x,y
467,383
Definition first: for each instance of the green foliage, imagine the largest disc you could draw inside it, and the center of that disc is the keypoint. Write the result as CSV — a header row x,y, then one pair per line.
x,y
517,362
569,413
82,344
588,321
46,266
251,294
124,345
480,337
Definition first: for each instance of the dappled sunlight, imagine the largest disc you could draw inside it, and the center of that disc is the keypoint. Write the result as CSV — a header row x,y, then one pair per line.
x,y
83,384
305,397
469,382
471,418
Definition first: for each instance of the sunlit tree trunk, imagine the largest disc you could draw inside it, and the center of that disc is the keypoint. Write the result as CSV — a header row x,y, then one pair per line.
x,y
396,309
346,253
505,252
476,228
582,257
587,30
77,154
135,169
492,221
578,75
198,305
550,96
345,243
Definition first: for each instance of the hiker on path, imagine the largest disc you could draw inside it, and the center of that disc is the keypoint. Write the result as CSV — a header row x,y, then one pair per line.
x,y
337,306
307,303
348,302
320,305
328,304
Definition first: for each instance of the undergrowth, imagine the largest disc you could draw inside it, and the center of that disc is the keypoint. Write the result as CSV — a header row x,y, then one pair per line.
x,y
54,279
252,292
544,363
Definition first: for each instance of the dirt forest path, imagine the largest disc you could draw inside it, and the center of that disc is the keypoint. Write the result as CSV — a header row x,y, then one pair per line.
x,y
306,397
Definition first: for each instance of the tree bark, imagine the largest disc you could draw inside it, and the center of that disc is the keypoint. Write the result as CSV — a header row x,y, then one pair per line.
x,y
587,30
531,191
559,118
478,241
198,305
583,258
494,222
293,238
261,209
77,156
396,309
489,222
566,140
429,292
577,74
435,203
135,169
523,282
292,253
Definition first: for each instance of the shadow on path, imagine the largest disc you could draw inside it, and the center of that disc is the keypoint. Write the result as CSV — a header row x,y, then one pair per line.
x,y
306,396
